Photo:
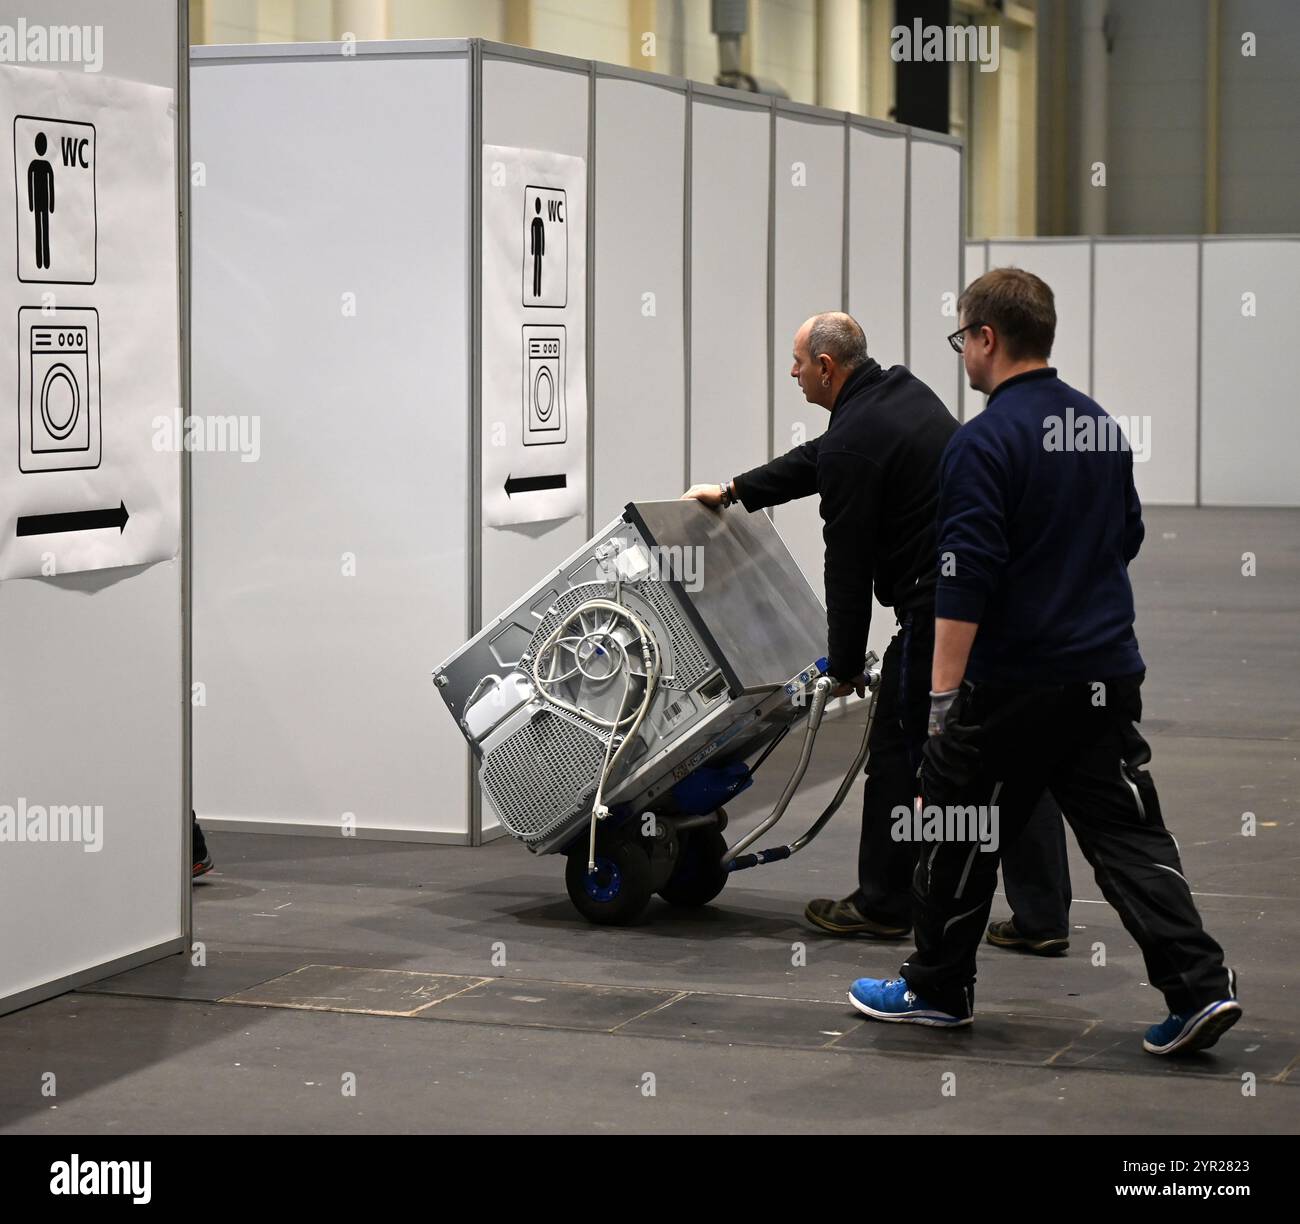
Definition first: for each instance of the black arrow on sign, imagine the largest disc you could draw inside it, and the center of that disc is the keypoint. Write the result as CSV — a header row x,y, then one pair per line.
x,y
534,484
73,520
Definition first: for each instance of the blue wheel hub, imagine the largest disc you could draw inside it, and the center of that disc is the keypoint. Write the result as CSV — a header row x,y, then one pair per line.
x,y
605,883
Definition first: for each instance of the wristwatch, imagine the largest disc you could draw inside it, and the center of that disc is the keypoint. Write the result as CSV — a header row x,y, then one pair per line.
x,y
728,497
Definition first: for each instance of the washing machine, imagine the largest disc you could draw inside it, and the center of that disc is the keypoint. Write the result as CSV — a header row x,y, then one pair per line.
x,y
620,703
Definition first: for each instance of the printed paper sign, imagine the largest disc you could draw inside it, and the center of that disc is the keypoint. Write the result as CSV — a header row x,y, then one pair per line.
x,y
534,336
90,353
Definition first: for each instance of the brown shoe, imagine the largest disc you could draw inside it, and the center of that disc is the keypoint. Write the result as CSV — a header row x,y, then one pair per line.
x,y
844,918
1005,935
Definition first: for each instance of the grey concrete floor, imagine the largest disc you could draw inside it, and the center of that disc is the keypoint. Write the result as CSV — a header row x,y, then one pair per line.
x,y
732,1018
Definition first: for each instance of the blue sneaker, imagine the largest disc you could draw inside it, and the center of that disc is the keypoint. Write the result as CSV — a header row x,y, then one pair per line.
x,y
893,1000
1197,1030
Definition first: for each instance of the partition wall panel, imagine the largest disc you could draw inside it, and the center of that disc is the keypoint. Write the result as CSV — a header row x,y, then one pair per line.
x,y
530,106
1184,338
93,663
877,230
332,306
809,181
1066,265
972,401
730,156
1250,369
638,401
1144,359
935,232
876,266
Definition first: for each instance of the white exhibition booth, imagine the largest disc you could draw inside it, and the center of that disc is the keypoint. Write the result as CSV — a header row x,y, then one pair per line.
x,y
472,299
94,770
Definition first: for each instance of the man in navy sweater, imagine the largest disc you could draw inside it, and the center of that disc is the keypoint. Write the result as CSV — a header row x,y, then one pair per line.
x,y
1037,679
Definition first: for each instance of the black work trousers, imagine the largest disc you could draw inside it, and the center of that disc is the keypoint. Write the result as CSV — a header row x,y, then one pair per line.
x,y
1035,868
1001,746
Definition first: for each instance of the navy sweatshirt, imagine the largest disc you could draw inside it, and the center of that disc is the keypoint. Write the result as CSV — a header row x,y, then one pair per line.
x,y
876,470
1038,520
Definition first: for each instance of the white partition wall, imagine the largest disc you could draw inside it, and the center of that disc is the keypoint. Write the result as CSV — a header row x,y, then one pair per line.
x,y
93,712
808,279
876,265
730,212
639,406
935,233
1184,341
331,306
349,298
530,104
877,235
1066,265
1144,360
975,266
1250,369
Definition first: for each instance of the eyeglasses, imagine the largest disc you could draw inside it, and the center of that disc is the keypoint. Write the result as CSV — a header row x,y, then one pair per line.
x,y
958,338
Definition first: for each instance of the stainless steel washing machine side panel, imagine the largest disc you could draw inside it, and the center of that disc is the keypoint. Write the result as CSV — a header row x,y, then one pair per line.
x,y
751,605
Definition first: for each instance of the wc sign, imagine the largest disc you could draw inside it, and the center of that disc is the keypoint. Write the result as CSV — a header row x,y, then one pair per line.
x,y
54,187
546,247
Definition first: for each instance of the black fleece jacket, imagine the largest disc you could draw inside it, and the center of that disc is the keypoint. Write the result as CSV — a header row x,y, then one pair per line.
x,y
876,470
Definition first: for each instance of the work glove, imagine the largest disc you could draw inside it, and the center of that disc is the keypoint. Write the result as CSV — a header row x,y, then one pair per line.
x,y
940,704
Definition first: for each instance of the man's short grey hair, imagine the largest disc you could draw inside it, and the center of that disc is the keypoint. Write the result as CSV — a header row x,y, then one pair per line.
x,y
840,337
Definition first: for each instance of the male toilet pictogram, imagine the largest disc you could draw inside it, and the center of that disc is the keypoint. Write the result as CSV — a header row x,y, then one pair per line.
x,y
545,247
55,200
40,199
537,246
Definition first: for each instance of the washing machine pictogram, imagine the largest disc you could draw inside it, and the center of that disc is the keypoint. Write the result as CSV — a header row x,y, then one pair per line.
x,y
58,390
545,417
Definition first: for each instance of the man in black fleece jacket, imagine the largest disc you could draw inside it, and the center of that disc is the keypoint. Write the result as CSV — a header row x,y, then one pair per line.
x,y
1037,678
875,471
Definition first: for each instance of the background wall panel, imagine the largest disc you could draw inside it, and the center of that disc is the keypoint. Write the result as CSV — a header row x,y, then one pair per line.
x,y
93,710
639,418
935,262
1145,362
318,694
1064,265
877,258
531,106
808,280
729,220
1250,368
972,401
877,234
